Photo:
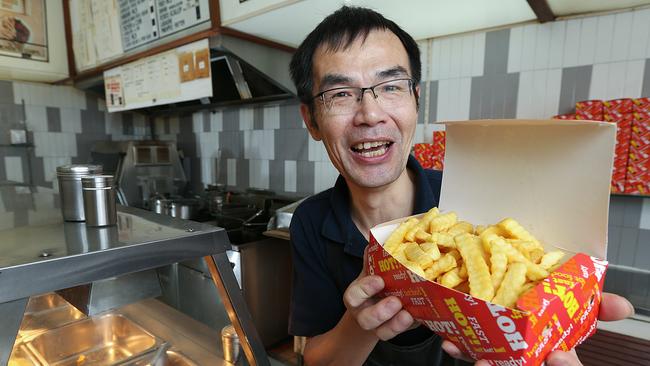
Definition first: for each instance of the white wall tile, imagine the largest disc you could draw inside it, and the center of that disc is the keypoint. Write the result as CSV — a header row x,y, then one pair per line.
x,y
553,89
604,36
216,121
14,169
645,215
454,99
197,122
434,62
622,36
20,93
599,79
571,43
515,46
445,60
259,173
207,171
467,55
556,49
290,174
159,123
77,98
246,119
70,120
542,46
455,56
316,150
101,104
324,175
36,118
633,83
231,172
268,144
423,45
271,118
49,166
616,80
588,41
528,48
640,33
479,54
525,95
248,144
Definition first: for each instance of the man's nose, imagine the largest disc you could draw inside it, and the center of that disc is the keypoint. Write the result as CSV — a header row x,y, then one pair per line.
x,y
370,111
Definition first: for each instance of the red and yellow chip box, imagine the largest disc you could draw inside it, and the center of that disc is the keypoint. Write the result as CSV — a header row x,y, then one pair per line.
x,y
424,154
553,177
591,110
569,116
618,106
641,105
623,136
638,166
438,150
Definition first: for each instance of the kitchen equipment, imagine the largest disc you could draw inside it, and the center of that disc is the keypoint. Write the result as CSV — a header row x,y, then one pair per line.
x,y
183,208
230,344
99,200
158,204
44,312
159,357
105,340
69,178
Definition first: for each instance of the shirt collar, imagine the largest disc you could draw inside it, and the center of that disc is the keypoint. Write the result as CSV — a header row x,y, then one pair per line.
x,y
338,225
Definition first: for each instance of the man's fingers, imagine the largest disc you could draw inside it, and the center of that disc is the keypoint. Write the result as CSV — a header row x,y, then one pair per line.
x,y
364,271
375,315
455,352
561,358
362,289
614,307
398,324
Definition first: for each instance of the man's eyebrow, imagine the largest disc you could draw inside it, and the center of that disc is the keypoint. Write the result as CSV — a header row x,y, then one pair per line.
x,y
392,72
330,80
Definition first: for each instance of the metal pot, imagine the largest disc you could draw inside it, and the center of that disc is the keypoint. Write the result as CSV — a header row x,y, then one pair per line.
x,y
158,204
186,208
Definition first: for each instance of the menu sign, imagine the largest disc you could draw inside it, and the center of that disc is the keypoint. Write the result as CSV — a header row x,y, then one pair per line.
x,y
172,76
144,21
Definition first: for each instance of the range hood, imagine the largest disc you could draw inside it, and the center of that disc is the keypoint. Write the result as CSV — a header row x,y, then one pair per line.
x,y
242,72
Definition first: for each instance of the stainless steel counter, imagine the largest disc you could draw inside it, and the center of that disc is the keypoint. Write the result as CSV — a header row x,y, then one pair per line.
x,y
39,259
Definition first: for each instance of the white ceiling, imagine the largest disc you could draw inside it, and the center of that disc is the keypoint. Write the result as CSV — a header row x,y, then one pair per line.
x,y
289,21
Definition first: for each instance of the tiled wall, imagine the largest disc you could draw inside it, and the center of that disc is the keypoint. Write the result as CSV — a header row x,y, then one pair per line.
x,y
62,124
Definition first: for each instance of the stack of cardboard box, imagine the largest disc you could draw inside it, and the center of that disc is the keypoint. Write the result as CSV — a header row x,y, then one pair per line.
x,y
431,156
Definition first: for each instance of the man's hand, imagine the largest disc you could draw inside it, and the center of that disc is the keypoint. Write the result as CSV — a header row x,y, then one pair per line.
x,y
612,307
385,317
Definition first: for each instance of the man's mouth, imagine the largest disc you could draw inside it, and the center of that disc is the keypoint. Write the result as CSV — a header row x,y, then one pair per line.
x,y
370,149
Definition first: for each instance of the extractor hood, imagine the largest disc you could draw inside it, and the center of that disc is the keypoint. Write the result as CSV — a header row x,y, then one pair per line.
x,y
242,72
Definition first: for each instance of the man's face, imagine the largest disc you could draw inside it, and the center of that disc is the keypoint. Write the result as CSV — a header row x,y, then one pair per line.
x,y
370,145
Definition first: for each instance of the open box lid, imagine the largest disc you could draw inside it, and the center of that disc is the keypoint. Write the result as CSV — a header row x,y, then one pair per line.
x,y
552,176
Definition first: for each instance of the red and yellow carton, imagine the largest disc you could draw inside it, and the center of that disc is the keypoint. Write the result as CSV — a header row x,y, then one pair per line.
x,y
424,154
638,166
553,177
438,150
591,110
623,123
641,105
618,106
569,116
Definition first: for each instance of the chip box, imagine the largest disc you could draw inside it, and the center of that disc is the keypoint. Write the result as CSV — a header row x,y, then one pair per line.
x,y
552,177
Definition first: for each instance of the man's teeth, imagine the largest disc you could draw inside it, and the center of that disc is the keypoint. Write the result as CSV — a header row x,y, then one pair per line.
x,y
373,153
371,149
367,145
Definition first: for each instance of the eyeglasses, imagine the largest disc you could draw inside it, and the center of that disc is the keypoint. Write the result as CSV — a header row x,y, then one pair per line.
x,y
346,100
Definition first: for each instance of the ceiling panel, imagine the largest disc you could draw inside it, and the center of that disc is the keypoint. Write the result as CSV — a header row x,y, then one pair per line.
x,y
421,18
574,7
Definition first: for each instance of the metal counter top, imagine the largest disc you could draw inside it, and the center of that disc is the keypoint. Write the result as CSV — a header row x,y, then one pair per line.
x,y
38,259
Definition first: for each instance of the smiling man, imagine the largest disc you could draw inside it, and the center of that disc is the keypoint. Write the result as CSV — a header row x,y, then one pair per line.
x,y
357,76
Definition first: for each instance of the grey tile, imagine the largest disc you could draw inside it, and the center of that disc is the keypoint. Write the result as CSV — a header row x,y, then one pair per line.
x,y
258,118
629,238
421,102
243,174
195,174
632,213
167,126
6,92
305,177
57,200
38,171
616,210
231,144
291,144
574,87
645,89
91,102
642,258
93,122
222,171
276,175
433,101
127,124
21,218
290,116
231,120
613,243
53,119
206,122
496,52
15,202
510,95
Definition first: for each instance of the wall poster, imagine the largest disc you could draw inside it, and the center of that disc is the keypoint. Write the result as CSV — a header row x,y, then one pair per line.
x,y
23,29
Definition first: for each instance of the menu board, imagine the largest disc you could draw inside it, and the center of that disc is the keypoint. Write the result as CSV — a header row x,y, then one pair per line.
x,y
103,30
173,76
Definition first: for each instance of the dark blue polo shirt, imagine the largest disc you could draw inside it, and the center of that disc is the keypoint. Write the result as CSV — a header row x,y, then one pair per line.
x,y
328,254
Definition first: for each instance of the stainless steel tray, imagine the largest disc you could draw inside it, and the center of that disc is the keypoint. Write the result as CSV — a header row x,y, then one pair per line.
x,y
45,312
105,340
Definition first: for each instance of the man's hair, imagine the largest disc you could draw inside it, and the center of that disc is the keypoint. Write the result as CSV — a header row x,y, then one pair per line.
x,y
337,32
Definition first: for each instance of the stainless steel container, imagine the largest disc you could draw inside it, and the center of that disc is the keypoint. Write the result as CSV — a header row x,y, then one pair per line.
x,y
186,208
99,200
230,342
69,178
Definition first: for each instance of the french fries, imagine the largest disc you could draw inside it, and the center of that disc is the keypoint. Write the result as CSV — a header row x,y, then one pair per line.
x,y
496,263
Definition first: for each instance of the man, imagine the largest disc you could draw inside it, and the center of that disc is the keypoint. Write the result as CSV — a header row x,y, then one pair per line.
x,y
357,76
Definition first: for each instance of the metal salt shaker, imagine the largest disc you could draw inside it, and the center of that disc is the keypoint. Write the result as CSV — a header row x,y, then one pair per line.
x,y
231,345
99,200
69,179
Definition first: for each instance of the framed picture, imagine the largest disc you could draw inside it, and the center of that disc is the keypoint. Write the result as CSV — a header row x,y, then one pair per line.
x,y
23,29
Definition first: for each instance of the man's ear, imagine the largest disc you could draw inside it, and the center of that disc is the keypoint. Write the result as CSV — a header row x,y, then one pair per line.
x,y
310,121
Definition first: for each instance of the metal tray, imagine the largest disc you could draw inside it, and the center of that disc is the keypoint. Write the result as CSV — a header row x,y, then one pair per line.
x,y
104,340
46,312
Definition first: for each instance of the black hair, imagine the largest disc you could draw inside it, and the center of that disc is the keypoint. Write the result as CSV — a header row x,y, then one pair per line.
x,y
338,31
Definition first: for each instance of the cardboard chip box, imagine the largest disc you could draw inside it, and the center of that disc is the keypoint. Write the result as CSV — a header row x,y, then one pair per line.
x,y
553,177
